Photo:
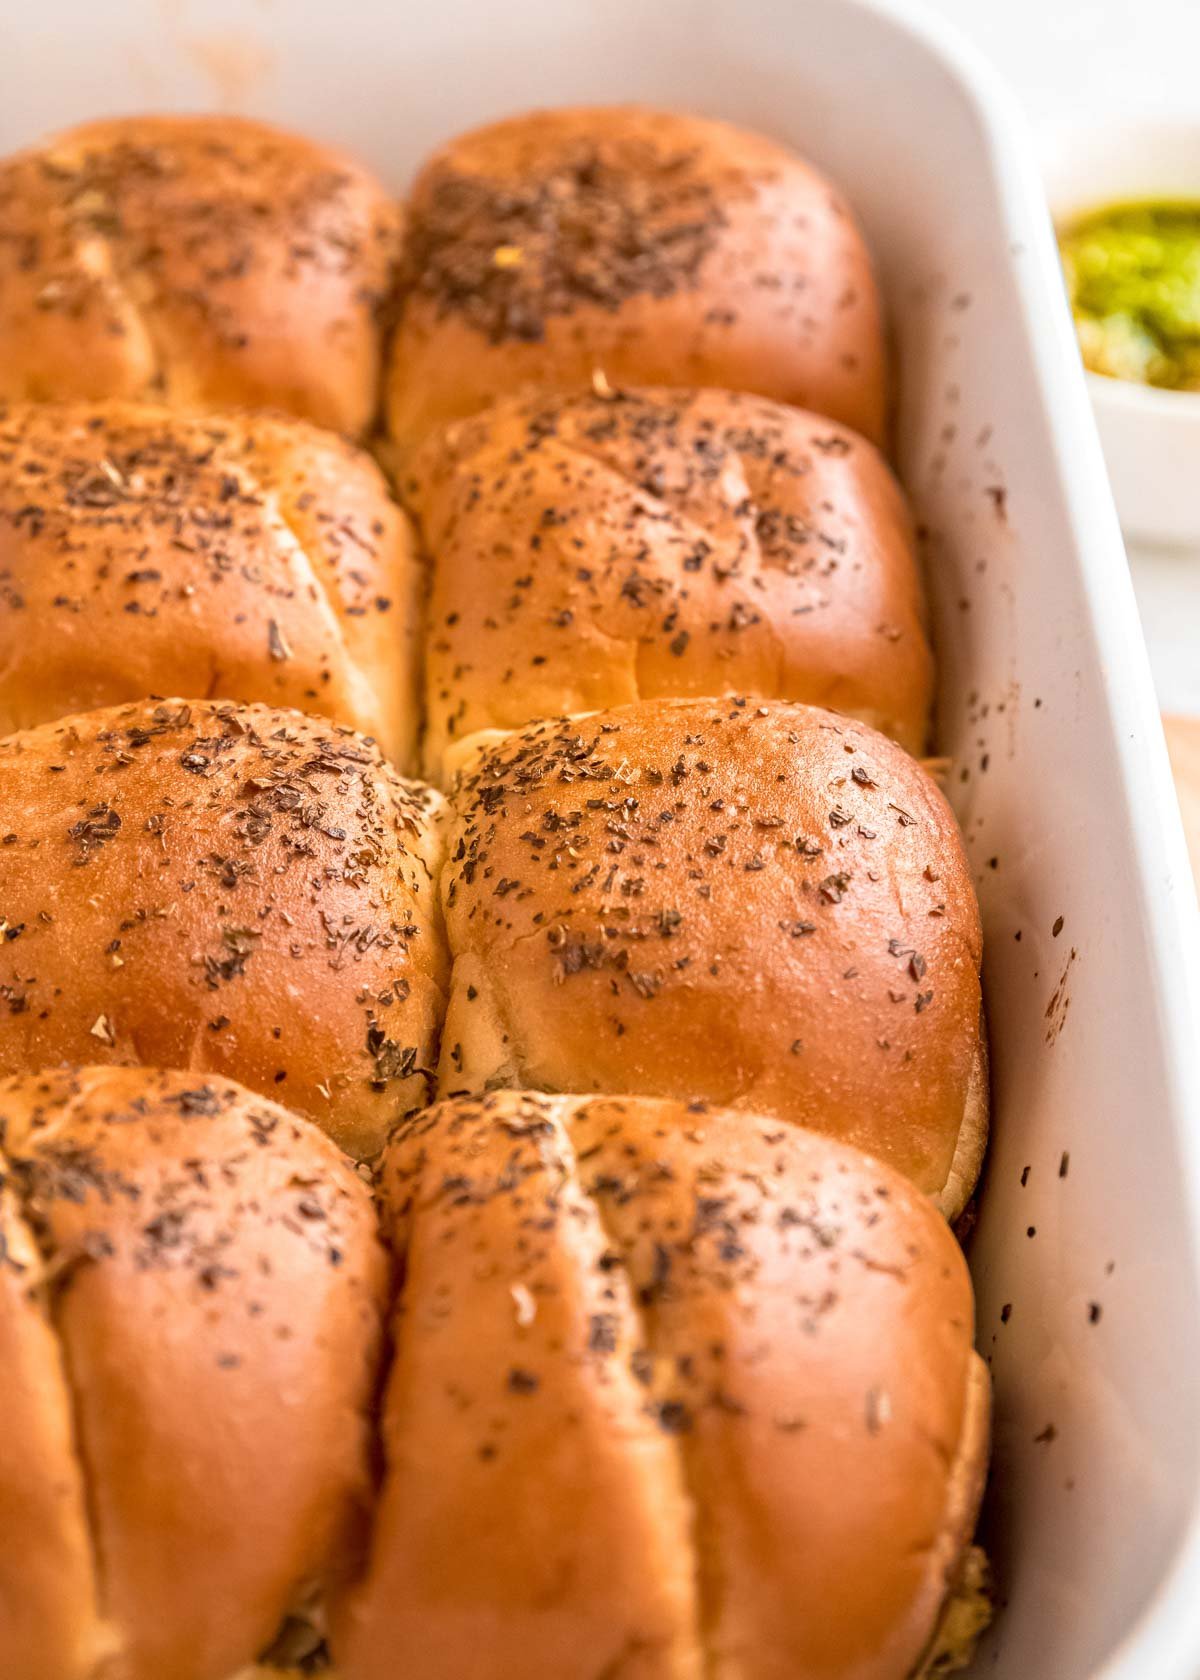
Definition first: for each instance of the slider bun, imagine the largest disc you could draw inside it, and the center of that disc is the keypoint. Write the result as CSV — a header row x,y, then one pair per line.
x,y
233,890
593,551
203,1280
676,1391
759,904
204,262
243,556
655,247
49,1614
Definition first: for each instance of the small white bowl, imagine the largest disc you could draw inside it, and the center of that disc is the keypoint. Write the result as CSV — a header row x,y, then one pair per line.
x,y
1151,437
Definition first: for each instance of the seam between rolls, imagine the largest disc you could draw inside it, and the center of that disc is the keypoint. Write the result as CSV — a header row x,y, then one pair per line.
x,y
377,436
439,820
759,569
499,997
428,1075
517,1081
325,576
375,1412
423,560
643,1317
45,1284
429,851
317,570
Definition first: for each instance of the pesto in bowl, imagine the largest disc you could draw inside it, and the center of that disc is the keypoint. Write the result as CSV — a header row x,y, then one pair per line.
x,y
1133,277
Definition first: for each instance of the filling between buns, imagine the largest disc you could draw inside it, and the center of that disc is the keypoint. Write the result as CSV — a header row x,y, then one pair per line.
x,y
968,1611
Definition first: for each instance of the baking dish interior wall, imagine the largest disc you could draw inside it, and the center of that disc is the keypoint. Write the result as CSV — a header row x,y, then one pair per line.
x,y
1088,1250
1094,1405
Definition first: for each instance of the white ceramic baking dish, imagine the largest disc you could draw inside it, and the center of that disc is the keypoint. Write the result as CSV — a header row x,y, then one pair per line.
x,y
1086,1250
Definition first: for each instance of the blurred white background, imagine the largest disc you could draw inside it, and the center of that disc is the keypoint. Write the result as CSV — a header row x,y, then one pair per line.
x,y
1097,60
1079,57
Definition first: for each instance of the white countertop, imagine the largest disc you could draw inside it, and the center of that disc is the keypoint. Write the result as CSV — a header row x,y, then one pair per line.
x,y
1068,60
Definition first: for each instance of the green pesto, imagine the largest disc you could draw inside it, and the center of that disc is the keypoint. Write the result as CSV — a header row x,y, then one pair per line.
x,y
1133,275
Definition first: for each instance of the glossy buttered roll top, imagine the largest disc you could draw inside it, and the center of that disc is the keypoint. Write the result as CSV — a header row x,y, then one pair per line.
x,y
593,550
234,890
634,247
760,904
236,556
201,261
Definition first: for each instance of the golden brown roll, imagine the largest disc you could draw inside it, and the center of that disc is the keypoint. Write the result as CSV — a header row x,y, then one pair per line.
x,y
590,551
639,247
196,1292
49,1616
234,890
676,1392
202,261
759,904
243,556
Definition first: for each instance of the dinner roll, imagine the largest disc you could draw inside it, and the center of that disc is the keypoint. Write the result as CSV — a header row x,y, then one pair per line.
x,y
233,890
760,904
636,247
676,1393
590,550
144,551
201,261
50,1626
197,1293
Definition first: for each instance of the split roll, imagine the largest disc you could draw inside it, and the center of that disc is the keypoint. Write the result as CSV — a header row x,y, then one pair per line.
x,y
191,1298
636,1348
674,1391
